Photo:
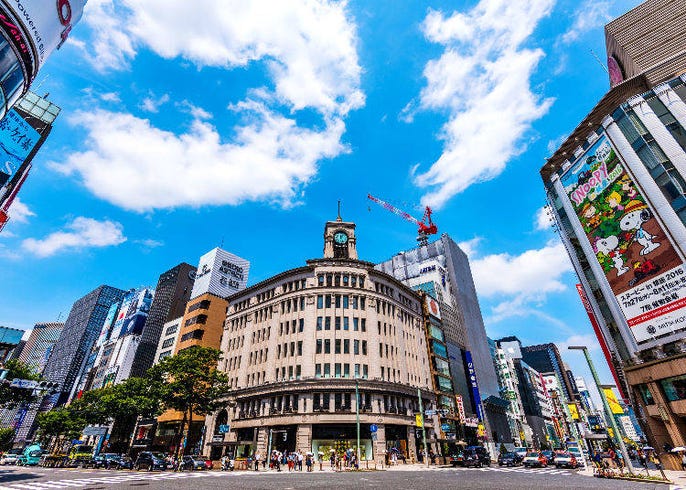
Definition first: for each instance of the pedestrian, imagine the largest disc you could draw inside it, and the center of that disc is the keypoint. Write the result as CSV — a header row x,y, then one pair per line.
x,y
642,458
257,461
291,462
300,460
332,460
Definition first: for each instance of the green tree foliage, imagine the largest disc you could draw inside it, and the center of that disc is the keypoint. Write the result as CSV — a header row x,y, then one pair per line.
x,y
60,424
14,397
191,383
6,439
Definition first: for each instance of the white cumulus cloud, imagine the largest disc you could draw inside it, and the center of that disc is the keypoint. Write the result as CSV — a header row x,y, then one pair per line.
x,y
80,233
309,50
20,212
591,14
482,81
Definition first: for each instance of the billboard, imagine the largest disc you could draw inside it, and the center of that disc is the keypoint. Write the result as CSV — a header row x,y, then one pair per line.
x,y
107,326
45,25
220,273
133,312
17,139
640,263
612,401
432,307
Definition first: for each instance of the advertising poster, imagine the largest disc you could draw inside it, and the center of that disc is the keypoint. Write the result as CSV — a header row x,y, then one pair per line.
x,y
17,139
460,409
640,264
123,314
140,307
615,407
107,326
474,385
220,273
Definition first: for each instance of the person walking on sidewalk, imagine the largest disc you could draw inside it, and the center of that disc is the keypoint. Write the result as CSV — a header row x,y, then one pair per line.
x,y
257,461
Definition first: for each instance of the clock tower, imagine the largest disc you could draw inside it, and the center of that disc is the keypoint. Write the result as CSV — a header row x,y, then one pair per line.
x,y
339,239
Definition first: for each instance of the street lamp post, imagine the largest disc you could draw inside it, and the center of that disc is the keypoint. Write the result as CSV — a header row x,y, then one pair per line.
x,y
357,418
606,406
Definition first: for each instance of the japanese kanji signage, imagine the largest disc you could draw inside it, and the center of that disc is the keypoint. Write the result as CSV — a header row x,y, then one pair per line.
x,y
641,265
17,139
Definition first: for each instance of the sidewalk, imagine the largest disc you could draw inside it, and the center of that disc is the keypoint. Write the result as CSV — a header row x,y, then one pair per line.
x,y
678,478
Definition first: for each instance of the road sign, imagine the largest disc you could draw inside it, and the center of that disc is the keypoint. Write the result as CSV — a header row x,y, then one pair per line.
x,y
223,429
373,428
26,384
429,413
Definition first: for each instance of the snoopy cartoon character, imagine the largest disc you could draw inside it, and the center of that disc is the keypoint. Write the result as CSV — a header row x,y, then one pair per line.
x,y
608,246
635,214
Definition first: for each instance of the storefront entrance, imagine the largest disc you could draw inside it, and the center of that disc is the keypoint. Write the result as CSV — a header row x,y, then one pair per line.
x,y
329,439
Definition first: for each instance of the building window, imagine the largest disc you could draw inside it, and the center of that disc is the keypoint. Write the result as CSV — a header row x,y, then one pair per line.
x,y
320,344
346,370
674,388
327,323
329,280
338,369
337,280
301,325
346,301
345,280
356,347
195,334
346,323
317,371
300,347
319,323
338,323
357,370
346,346
337,344
338,300
353,281
320,280
200,305
364,347
327,346
355,302
164,354
365,370
327,301
200,319
327,370
363,324
666,118
168,343
320,301
298,372
356,324
171,329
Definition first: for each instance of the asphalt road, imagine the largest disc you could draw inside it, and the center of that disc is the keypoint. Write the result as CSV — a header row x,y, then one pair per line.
x,y
13,478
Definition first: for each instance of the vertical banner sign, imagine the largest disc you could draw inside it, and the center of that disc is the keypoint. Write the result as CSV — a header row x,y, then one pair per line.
x,y
473,383
419,420
641,265
460,408
573,411
615,407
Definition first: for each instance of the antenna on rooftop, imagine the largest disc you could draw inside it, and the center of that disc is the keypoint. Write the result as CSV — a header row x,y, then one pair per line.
x,y
600,62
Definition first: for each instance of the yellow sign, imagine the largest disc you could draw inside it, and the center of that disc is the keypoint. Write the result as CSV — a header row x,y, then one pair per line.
x,y
573,411
480,430
419,420
615,407
611,432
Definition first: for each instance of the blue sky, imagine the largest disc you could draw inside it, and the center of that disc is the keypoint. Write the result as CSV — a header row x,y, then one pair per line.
x,y
190,124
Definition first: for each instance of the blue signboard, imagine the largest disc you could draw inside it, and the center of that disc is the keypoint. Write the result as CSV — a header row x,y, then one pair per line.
x,y
373,428
471,373
17,139
223,429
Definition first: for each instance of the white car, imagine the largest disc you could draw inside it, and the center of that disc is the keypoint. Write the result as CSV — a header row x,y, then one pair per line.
x,y
566,460
9,458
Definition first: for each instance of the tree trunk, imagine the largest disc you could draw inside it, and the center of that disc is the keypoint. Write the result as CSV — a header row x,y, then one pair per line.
x,y
190,426
180,441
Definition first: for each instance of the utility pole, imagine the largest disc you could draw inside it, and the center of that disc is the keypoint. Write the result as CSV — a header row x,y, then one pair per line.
x,y
421,414
606,405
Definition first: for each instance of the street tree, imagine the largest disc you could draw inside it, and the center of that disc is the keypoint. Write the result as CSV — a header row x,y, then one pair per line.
x,y
191,383
121,405
6,438
13,397
60,425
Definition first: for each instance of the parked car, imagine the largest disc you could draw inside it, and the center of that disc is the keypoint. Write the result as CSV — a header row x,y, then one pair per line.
x,y
533,459
456,459
521,452
508,459
549,455
482,452
10,457
120,463
193,463
149,461
580,459
566,460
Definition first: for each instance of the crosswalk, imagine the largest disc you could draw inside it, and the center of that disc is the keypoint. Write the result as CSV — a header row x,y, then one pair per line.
x,y
547,471
105,480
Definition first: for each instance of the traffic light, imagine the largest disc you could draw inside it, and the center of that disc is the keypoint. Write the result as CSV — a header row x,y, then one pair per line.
x,y
48,386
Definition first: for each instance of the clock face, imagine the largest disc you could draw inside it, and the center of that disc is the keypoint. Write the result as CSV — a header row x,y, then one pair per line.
x,y
340,238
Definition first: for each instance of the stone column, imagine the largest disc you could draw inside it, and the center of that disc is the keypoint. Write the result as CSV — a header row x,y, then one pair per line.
x,y
379,446
303,438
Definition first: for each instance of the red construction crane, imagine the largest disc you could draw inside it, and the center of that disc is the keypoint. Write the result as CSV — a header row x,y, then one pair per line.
x,y
426,226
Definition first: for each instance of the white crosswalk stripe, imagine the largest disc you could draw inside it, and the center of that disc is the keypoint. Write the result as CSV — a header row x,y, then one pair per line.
x,y
114,479
547,471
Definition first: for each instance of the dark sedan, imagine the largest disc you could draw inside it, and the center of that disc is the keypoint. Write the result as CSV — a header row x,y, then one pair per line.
x,y
508,459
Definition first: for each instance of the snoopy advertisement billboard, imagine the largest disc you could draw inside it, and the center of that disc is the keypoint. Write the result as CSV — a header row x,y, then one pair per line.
x,y
641,265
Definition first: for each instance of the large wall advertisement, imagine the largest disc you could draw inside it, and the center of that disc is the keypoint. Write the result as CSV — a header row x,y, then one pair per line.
x,y
46,23
17,139
107,326
220,273
133,313
640,263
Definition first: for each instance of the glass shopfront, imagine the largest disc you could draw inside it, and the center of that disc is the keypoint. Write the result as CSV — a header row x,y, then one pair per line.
x,y
329,439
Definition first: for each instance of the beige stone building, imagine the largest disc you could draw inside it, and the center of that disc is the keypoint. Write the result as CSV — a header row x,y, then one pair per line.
x,y
297,345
